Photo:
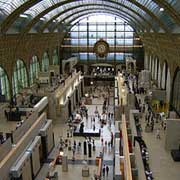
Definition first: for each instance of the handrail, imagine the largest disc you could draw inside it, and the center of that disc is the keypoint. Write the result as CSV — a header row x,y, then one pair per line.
x,y
122,103
20,142
127,163
60,91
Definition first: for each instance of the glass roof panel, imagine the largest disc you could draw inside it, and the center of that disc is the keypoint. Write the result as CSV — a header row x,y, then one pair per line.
x,y
60,9
107,13
100,5
175,4
87,7
64,14
99,17
44,4
155,8
10,5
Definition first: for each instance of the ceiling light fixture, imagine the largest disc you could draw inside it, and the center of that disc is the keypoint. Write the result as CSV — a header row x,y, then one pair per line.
x,y
161,9
23,15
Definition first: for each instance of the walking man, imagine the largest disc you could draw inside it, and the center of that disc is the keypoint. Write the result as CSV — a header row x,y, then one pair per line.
x,y
107,170
104,169
158,134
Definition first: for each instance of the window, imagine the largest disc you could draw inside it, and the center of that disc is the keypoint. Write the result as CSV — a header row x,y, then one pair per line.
x,y
19,80
34,69
45,62
110,28
55,57
83,56
119,56
4,84
110,57
176,92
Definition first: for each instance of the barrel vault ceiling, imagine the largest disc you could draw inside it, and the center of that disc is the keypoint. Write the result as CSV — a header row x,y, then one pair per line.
x,y
26,16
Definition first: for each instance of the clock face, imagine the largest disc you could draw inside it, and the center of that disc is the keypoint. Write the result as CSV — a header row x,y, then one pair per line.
x,y
101,48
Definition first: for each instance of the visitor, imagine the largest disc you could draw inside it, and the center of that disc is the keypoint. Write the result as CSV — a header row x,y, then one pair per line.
x,y
112,139
93,124
94,148
152,126
102,141
79,147
6,114
74,145
158,134
107,170
164,126
94,128
73,157
104,169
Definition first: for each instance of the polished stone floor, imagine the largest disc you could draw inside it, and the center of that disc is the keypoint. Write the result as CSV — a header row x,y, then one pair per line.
x,y
75,167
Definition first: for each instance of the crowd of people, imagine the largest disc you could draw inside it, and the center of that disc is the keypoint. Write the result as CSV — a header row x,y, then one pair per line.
x,y
144,109
151,118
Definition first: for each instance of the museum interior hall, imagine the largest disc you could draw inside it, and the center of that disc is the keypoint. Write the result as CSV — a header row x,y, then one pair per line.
x,y
89,89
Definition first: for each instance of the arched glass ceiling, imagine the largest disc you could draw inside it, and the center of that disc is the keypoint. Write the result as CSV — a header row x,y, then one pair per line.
x,y
63,8
69,19
168,18
82,7
91,13
100,17
74,12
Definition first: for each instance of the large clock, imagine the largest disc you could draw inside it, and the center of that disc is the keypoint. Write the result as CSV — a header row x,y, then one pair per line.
x,y
101,48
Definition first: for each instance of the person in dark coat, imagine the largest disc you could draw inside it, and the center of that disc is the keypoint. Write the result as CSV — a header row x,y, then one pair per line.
x,y
107,170
104,170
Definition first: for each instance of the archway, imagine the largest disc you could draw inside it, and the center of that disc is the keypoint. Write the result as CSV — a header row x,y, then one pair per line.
x,y
19,79
159,74
4,86
45,62
164,75
130,64
55,57
146,61
176,90
152,69
34,69
150,63
168,86
156,69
